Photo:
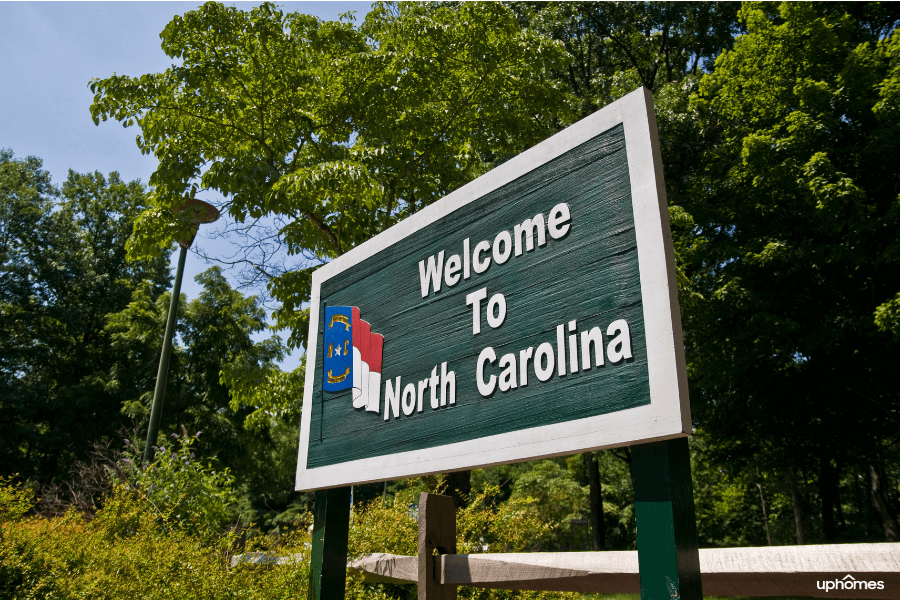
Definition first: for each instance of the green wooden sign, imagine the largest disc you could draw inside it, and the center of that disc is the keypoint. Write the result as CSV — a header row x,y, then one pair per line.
x,y
531,313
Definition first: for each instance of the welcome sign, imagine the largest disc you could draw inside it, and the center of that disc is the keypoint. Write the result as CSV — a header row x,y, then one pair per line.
x,y
531,313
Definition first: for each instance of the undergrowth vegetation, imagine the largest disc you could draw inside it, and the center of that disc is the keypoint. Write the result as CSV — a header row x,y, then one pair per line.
x,y
154,537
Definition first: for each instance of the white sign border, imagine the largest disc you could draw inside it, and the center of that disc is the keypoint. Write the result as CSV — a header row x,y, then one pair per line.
x,y
669,413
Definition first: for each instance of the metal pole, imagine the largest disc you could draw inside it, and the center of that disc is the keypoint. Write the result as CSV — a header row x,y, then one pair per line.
x,y
163,373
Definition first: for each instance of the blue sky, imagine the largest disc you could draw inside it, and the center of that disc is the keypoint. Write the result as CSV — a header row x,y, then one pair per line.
x,y
51,50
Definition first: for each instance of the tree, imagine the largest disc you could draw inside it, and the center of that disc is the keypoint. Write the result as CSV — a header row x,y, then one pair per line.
x,y
222,383
789,241
619,46
62,270
334,132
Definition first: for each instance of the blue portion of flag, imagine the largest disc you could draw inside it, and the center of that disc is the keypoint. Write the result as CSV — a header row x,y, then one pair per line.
x,y
338,348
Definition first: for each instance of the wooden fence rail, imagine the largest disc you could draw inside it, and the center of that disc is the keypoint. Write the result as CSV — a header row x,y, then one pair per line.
x,y
827,571
767,571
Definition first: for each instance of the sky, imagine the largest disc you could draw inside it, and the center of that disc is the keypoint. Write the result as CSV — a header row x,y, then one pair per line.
x,y
51,51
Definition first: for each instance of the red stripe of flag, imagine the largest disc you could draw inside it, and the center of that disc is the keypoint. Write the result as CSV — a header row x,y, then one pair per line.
x,y
365,335
376,347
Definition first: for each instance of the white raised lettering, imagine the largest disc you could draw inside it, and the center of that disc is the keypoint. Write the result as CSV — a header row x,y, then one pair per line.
x,y
478,265
448,382
530,226
595,337
423,385
431,274
508,375
560,350
466,257
558,221
391,399
496,310
451,270
474,300
409,392
524,355
485,388
504,239
543,354
620,346
432,384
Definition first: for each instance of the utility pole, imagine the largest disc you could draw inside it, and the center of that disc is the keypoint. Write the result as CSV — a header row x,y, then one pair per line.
x,y
198,212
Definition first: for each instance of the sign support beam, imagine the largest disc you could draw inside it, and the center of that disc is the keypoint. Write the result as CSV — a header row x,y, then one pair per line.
x,y
667,539
331,528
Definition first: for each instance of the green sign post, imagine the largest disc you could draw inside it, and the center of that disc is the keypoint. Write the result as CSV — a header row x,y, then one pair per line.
x,y
531,313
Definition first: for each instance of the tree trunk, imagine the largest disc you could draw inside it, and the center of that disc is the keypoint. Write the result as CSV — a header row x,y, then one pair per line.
x,y
839,506
795,501
762,500
880,500
459,486
842,521
869,513
598,531
828,493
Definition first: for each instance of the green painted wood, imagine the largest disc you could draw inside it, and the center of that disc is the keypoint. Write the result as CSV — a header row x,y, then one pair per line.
x,y
667,541
591,275
328,561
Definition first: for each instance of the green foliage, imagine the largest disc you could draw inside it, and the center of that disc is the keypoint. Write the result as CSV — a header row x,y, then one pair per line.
x,y
273,394
62,270
220,381
85,331
127,550
335,130
887,316
559,497
132,548
14,502
483,525
557,491
778,126
792,246
182,489
618,47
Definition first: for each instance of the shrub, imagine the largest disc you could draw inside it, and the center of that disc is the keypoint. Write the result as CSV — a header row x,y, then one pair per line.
x,y
183,491
127,550
482,526
155,546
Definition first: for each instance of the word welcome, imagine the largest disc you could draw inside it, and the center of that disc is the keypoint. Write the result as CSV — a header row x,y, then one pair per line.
x,y
505,246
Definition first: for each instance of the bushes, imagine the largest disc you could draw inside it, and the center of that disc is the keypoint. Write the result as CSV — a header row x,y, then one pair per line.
x,y
189,494
482,526
135,547
128,551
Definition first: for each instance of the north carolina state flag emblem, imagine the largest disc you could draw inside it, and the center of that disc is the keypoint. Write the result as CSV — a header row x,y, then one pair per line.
x,y
352,357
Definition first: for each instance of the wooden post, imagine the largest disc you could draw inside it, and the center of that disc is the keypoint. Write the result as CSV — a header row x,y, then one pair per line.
x,y
437,535
328,563
666,525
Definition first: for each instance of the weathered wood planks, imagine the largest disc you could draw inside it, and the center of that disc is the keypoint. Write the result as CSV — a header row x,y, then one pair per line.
x,y
766,571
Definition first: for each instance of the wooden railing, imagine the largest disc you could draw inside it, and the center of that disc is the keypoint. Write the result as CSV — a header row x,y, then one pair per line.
x,y
826,571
